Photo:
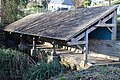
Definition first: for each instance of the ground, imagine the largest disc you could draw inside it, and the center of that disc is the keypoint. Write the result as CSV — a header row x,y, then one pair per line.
x,y
106,47
93,73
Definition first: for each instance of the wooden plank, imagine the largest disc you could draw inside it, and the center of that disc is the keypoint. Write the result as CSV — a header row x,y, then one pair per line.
x,y
76,43
34,45
114,29
80,48
105,25
83,34
80,36
86,48
91,29
107,18
109,29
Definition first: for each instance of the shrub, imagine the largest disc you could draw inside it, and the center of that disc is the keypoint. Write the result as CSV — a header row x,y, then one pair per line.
x,y
12,63
43,71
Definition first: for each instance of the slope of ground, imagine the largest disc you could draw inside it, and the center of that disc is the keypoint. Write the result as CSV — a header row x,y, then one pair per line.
x,y
106,47
93,73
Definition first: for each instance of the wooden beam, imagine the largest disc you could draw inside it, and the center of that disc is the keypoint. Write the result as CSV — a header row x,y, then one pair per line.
x,y
107,18
34,46
33,50
86,48
105,25
80,36
109,29
54,49
91,29
83,34
114,29
76,43
80,48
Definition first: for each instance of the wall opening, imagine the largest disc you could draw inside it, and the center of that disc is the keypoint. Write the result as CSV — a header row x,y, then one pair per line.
x,y
101,33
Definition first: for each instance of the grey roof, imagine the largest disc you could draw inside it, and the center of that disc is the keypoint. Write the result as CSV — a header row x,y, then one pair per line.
x,y
64,2
59,25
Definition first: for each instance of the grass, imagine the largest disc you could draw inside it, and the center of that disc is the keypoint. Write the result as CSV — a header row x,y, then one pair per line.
x,y
43,71
93,73
12,63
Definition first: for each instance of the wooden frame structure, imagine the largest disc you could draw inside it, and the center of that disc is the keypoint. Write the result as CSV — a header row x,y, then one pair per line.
x,y
85,34
57,26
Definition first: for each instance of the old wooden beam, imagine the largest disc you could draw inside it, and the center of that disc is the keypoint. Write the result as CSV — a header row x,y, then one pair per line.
x,y
110,29
33,50
105,25
54,50
83,34
108,18
86,48
76,43
80,48
91,29
114,29
80,36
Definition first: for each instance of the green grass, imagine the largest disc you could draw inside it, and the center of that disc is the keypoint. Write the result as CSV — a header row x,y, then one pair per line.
x,y
43,71
12,63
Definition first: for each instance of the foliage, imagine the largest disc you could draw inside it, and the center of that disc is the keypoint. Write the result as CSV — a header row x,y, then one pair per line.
x,y
12,63
34,7
87,3
12,10
118,23
45,3
78,3
117,2
43,71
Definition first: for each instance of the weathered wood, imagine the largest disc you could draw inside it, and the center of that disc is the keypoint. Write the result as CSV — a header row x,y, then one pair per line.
x,y
91,29
33,50
86,48
107,18
54,50
80,36
105,25
114,29
83,34
34,46
55,25
109,29
80,48
76,43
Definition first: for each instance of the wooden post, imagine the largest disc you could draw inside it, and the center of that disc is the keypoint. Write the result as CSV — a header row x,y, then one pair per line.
x,y
53,56
86,48
54,50
33,50
34,46
114,29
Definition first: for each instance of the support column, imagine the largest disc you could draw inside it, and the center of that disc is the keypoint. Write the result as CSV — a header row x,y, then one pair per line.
x,y
86,48
53,57
114,29
34,46
33,50
54,50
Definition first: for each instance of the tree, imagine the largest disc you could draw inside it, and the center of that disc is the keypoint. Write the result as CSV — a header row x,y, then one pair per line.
x,y
117,2
87,3
78,3
12,10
